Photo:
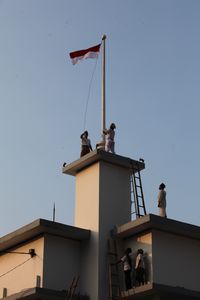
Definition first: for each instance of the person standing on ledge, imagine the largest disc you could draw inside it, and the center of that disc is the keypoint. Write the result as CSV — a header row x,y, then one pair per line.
x,y
85,144
162,201
126,260
110,135
139,267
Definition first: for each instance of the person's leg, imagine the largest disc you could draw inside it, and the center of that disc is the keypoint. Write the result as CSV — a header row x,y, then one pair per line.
x,y
128,279
112,147
108,146
84,150
162,212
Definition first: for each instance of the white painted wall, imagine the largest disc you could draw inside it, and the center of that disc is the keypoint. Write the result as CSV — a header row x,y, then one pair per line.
x,y
21,275
176,260
87,216
61,262
114,209
102,201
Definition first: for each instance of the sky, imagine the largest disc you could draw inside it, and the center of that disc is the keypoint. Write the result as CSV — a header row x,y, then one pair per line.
x,y
152,95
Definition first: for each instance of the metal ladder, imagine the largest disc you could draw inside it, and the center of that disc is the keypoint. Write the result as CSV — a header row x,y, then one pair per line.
x,y
137,196
113,271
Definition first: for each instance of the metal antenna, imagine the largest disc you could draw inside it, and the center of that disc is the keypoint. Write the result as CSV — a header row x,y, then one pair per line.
x,y
54,212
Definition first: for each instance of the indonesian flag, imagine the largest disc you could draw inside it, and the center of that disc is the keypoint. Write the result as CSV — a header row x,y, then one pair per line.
x,y
92,52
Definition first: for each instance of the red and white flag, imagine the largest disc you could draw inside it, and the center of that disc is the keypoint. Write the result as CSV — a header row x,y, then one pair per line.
x,y
92,52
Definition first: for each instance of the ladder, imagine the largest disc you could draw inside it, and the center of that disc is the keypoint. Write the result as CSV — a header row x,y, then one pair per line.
x,y
137,197
72,288
113,271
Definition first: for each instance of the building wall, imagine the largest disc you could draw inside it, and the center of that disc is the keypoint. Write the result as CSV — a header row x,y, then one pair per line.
x,y
61,262
114,209
102,201
176,260
19,272
87,216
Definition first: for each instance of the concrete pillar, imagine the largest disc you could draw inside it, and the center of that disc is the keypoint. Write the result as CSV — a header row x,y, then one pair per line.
x,y
103,200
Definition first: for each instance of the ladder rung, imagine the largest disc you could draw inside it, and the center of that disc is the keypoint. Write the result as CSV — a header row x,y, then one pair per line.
x,y
112,253
115,285
114,274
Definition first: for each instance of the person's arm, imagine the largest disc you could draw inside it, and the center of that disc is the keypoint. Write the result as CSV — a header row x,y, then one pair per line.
x,y
160,199
117,262
90,146
105,131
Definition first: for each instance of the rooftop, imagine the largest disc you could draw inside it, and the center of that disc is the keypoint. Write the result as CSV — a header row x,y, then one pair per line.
x,y
100,155
151,221
42,293
40,227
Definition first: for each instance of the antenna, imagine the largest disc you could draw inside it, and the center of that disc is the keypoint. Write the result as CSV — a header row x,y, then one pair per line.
x,y
54,212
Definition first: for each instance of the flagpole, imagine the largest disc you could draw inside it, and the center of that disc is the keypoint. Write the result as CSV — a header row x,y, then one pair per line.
x,y
103,116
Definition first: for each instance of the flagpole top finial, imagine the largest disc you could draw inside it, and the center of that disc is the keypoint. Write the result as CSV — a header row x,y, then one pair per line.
x,y
103,37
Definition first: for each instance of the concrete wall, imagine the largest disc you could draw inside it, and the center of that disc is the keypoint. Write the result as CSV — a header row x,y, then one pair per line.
x,y
87,216
114,209
19,272
176,260
102,201
61,262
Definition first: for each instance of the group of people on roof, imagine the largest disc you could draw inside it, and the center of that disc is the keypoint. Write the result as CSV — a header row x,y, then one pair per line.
x,y
86,146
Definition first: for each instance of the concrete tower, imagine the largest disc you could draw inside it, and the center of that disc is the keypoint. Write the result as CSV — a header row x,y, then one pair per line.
x,y
102,201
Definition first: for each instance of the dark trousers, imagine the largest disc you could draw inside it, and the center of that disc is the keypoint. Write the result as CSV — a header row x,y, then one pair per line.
x,y
84,150
127,275
139,275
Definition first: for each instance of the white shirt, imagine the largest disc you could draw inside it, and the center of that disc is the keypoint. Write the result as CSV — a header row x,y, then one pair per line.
x,y
126,263
139,261
162,199
85,141
110,134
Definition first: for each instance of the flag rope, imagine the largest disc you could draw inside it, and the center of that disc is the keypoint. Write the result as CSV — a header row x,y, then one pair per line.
x,y
88,96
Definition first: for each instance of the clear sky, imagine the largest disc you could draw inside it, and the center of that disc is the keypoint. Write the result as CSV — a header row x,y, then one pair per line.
x,y
153,89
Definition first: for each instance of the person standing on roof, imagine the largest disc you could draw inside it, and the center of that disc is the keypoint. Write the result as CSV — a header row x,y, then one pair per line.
x,y
85,144
110,135
162,201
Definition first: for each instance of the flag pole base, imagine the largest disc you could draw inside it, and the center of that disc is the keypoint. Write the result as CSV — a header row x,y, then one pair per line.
x,y
101,145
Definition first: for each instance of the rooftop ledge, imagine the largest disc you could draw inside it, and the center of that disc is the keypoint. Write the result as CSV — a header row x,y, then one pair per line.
x,y
147,291
100,155
40,227
44,294
154,222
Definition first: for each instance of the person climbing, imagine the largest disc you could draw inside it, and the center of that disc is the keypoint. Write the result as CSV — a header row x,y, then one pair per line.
x,y
139,267
110,135
162,201
85,144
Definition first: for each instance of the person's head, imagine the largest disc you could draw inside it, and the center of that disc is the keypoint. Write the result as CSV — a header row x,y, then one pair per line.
x,y
140,251
161,186
112,126
86,133
128,251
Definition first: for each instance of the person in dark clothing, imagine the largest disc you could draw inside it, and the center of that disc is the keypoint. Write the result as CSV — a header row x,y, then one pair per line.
x,y
139,267
85,144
